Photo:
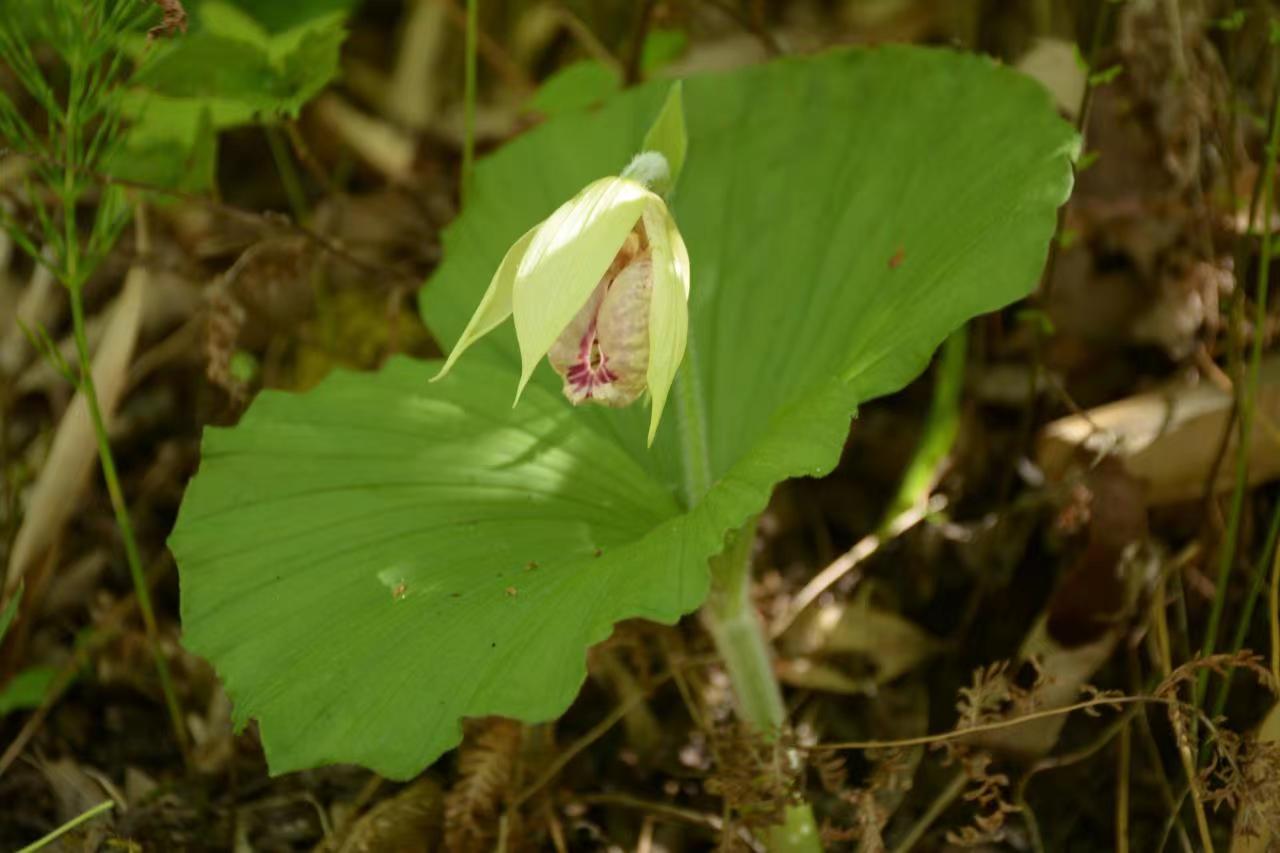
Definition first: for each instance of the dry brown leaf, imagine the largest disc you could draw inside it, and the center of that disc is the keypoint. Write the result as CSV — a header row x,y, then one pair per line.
x,y
1170,438
1242,839
891,646
410,821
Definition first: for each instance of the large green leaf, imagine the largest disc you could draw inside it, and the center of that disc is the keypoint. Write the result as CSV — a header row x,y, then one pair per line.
x,y
369,562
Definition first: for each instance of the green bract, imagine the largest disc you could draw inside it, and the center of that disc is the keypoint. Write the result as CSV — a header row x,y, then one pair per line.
x,y
369,562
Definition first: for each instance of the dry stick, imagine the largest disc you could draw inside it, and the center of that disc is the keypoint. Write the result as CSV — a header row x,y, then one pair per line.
x,y
597,731
982,728
265,219
635,50
862,550
1189,767
589,40
1164,660
667,810
1065,760
494,54
715,823
85,817
748,22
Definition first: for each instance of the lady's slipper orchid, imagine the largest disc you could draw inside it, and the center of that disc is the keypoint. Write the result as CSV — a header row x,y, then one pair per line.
x,y
601,288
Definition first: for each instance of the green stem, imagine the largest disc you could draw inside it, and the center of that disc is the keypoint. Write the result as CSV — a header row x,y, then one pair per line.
x,y
1260,573
121,509
729,615
469,98
739,636
104,806
734,625
940,429
289,177
1248,399
76,276
939,805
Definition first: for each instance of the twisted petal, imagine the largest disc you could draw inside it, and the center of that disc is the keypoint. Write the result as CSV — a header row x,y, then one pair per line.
x,y
569,253
495,305
668,308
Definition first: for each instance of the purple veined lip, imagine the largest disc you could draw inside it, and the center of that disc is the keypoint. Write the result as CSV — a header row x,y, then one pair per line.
x,y
603,354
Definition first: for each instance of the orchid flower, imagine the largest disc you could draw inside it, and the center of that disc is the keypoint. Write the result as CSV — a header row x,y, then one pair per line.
x,y
601,287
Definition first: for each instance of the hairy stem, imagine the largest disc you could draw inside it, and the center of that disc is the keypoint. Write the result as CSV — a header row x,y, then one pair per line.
x,y
740,639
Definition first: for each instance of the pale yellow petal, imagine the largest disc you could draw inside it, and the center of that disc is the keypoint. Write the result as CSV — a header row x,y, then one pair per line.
x,y
495,305
569,254
669,308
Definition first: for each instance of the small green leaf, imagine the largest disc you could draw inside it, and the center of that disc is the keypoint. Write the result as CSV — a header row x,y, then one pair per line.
x,y
1038,319
568,255
668,137
1106,75
172,143
244,367
1229,23
1086,160
238,64
26,690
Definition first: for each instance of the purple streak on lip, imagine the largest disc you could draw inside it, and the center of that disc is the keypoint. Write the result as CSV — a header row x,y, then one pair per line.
x,y
581,375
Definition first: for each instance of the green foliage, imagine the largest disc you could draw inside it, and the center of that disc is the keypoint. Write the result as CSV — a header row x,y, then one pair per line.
x,y
1106,75
238,63
82,120
26,690
370,562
